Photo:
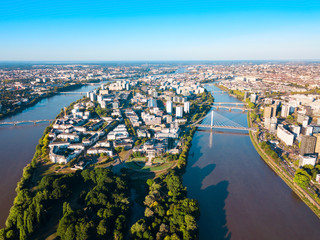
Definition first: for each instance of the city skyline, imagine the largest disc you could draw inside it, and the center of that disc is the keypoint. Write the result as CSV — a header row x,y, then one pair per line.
x,y
159,31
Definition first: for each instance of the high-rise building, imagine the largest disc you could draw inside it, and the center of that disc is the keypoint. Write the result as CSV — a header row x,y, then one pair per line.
x,y
284,135
253,98
179,111
93,96
273,125
274,110
302,118
186,107
296,130
245,96
307,130
168,118
154,94
152,103
100,98
308,144
317,148
169,107
103,104
115,105
285,111
267,122
305,123
267,112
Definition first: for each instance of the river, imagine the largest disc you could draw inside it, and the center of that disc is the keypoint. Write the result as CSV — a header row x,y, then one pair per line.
x,y
240,197
17,143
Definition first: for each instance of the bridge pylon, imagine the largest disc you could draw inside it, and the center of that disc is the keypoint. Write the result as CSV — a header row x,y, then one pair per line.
x,y
211,118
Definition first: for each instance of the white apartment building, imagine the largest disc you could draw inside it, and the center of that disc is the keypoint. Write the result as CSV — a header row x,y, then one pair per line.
x,y
169,107
179,111
284,135
306,160
186,107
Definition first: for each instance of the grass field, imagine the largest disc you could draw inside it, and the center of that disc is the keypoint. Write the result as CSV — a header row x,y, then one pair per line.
x,y
139,165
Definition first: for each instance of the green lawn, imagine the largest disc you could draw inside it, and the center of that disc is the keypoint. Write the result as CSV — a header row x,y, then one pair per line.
x,y
158,160
139,165
139,159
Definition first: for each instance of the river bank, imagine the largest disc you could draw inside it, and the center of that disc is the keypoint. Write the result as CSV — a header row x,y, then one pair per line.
x,y
36,174
18,143
240,196
37,99
303,195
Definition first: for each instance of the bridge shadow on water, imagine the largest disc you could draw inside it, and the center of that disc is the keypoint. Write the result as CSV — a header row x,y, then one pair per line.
x,y
211,131
211,197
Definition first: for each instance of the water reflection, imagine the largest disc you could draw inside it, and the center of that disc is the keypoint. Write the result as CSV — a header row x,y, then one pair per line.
x,y
17,143
210,139
240,197
216,227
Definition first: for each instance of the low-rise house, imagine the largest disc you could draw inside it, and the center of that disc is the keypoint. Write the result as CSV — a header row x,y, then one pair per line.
x,y
77,146
168,133
99,150
96,125
122,143
80,129
103,143
142,133
117,135
153,147
70,137
60,153
59,144
80,165
91,140
307,160
119,132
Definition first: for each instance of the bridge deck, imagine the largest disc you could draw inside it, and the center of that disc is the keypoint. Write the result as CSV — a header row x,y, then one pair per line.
x,y
224,127
229,103
26,121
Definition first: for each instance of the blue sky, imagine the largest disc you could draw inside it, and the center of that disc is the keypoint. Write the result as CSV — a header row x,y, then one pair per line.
x,y
109,30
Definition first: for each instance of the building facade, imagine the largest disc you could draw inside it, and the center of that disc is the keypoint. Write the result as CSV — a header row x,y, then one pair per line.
x,y
284,135
308,144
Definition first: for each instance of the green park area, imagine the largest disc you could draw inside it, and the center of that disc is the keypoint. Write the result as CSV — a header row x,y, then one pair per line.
x,y
139,164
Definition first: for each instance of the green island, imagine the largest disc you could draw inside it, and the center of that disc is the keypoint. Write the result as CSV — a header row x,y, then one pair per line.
x,y
96,162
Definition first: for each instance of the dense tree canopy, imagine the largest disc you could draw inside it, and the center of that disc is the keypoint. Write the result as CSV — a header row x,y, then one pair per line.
x,y
169,214
94,205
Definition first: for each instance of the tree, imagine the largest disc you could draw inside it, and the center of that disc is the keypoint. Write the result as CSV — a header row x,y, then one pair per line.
x,y
174,185
10,234
69,234
139,228
191,223
102,227
290,117
138,142
251,105
302,178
